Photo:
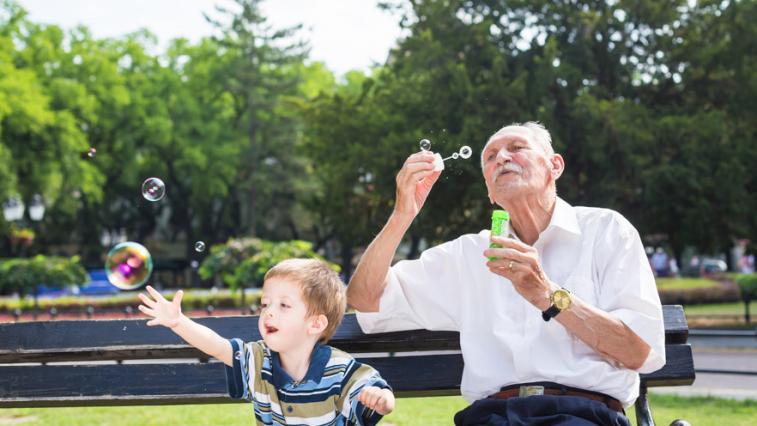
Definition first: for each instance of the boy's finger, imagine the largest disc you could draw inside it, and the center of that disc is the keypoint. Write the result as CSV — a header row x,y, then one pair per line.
x,y
146,310
152,322
155,295
146,300
177,298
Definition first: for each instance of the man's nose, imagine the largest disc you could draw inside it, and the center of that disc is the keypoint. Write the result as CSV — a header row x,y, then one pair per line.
x,y
503,156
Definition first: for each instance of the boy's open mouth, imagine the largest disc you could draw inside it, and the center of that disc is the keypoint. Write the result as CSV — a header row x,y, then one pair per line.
x,y
269,329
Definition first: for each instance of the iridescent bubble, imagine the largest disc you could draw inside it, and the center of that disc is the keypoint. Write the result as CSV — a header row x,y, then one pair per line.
x,y
91,153
238,355
425,145
465,151
199,246
153,189
128,265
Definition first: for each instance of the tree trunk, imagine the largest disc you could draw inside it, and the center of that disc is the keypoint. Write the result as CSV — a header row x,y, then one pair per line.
x,y
747,319
415,241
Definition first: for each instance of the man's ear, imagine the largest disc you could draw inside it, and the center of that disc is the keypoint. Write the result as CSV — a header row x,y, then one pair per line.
x,y
557,166
318,323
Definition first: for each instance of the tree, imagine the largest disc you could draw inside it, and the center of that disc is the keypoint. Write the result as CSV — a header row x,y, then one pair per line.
x,y
262,77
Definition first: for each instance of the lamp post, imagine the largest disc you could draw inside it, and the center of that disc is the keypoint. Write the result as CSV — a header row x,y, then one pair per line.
x,y
36,208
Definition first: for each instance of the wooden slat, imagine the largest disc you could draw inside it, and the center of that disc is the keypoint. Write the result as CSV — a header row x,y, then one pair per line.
x,y
191,383
194,383
676,326
48,341
678,371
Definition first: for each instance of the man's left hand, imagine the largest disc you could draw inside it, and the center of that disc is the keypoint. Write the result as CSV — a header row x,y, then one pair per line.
x,y
520,264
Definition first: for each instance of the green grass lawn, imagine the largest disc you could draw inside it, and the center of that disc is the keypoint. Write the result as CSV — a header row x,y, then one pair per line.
x,y
736,308
698,411
684,283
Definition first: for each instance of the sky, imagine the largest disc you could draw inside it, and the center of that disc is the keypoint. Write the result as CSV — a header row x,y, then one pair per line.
x,y
345,34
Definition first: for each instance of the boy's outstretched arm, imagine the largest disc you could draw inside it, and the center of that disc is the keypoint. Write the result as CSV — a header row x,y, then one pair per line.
x,y
169,314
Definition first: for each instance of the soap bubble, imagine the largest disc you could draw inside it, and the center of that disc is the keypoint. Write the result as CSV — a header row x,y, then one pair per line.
x,y
465,151
153,189
425,145
238,355
199,246
129,265
91,153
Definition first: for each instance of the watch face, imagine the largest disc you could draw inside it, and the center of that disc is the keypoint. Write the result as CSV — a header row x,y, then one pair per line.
x,y
561,299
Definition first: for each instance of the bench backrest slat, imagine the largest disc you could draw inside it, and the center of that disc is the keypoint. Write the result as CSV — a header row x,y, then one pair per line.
x,y
172,382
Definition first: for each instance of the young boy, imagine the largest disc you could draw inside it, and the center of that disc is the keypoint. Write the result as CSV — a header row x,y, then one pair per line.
x,y
291,376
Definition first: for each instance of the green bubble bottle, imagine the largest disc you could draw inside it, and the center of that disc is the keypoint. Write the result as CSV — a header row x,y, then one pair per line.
x,y
499,226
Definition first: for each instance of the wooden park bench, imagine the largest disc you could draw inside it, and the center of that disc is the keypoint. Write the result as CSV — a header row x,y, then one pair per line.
x,y
73,362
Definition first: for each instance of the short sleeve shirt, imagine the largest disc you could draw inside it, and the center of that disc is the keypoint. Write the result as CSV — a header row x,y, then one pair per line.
x,y
594,253
327,395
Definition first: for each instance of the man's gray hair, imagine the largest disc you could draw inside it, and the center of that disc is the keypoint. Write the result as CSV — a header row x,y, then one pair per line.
x,y
536,130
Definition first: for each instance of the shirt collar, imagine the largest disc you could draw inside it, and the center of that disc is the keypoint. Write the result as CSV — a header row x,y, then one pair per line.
x,y
318,360
564,217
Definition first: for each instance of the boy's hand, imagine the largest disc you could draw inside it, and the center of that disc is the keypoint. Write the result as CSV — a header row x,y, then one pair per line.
x,y
161,310
377,399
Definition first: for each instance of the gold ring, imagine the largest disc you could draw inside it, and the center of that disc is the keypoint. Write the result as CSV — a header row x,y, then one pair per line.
x,y
510,265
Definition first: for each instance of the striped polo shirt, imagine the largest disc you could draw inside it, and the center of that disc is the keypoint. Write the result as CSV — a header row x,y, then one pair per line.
x,y
327,395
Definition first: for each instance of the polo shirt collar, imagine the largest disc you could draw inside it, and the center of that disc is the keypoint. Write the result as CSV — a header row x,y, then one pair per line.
x,y
318,360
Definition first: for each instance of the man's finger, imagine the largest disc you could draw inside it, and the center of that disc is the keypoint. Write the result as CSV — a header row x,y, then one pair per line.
x,y
507,254
511,243
419,156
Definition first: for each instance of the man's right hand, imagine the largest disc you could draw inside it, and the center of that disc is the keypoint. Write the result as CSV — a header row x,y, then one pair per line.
x,y
161,310
414,182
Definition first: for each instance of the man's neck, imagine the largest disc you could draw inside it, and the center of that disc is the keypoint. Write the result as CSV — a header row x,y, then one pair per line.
x,y
530,215
297,360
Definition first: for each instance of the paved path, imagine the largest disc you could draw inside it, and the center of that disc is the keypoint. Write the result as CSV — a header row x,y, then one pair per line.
x,y
721,385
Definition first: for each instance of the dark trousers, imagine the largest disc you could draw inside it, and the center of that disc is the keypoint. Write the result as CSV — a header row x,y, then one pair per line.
x,y
542,410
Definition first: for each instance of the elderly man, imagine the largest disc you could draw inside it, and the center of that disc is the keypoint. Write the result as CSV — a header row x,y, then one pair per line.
x,y
555,325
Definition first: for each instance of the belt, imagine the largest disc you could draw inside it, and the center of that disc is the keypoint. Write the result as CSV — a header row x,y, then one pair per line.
x,y
549,388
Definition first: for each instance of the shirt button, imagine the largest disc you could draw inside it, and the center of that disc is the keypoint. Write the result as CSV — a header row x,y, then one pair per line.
x,y
290,409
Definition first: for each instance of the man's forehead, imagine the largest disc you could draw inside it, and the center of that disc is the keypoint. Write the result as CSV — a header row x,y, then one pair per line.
x,y
510,135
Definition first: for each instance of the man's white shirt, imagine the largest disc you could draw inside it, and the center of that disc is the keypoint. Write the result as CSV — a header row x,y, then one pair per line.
x,y
594,253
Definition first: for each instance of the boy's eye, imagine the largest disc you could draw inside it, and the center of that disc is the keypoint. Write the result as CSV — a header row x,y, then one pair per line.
x,y
284,305
263,305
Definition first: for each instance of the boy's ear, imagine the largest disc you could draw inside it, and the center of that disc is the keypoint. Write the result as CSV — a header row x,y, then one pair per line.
x,y
318,323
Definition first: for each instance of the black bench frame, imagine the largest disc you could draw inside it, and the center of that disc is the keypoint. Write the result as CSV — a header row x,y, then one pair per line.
x,y
84,382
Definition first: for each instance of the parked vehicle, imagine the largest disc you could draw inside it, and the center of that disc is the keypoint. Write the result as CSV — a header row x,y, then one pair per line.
x,y
98,284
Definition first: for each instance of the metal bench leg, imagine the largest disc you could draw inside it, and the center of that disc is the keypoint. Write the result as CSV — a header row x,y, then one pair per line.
x,y
643,413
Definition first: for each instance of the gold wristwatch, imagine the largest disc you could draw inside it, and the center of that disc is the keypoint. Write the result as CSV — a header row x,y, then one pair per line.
x,y
560,301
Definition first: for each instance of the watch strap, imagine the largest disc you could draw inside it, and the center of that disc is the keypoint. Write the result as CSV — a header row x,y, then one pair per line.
x,y
550,313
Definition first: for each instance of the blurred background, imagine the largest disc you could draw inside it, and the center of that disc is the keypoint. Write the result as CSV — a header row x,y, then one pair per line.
x,y
278,128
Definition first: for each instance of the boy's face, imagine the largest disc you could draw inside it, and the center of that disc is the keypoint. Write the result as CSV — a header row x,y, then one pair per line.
x,y
284,322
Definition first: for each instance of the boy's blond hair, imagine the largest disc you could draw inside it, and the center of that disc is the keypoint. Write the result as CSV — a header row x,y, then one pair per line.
x,y
322,289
